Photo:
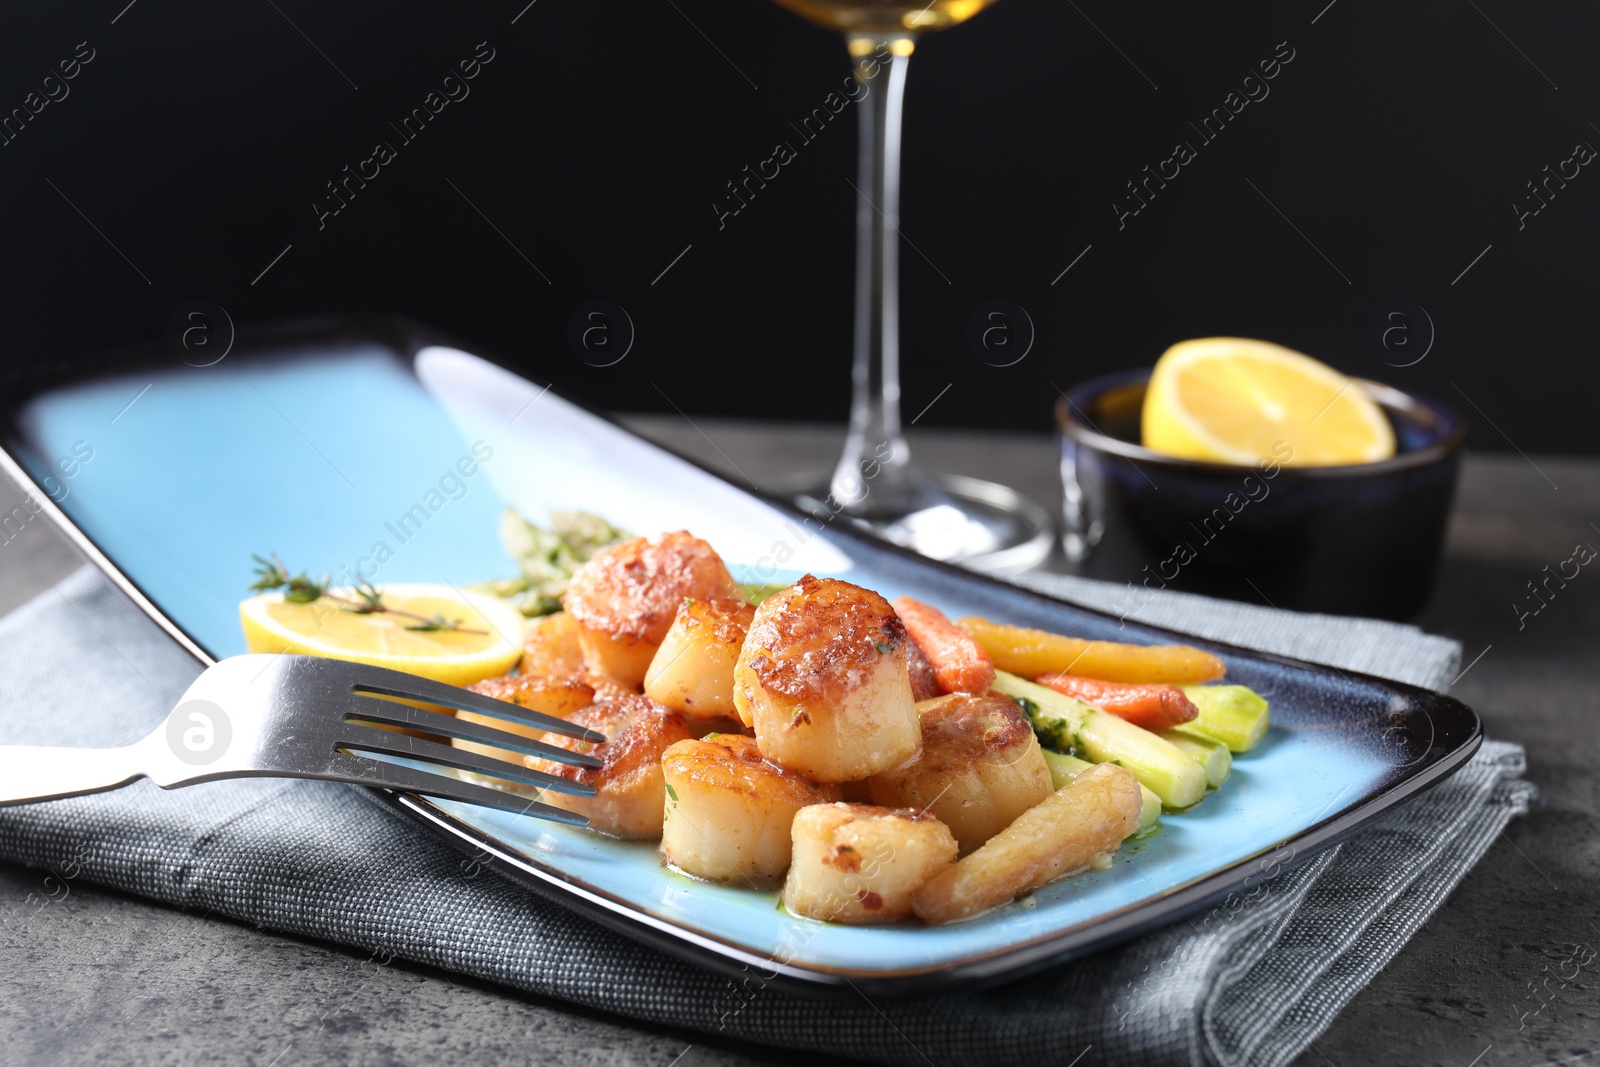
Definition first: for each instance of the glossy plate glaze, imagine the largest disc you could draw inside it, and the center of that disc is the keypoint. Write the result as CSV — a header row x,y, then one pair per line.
x,y
345,448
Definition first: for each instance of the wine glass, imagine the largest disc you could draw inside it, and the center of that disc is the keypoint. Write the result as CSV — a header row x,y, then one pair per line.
x,y
875,483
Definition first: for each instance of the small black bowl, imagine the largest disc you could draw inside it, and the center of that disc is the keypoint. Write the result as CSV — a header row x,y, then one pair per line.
x,y
1353,540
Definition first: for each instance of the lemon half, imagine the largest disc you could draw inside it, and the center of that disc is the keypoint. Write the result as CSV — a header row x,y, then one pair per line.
x,y
1234,400
455,657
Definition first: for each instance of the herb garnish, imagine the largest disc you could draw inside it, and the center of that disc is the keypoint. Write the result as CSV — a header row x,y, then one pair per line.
x,y
547,558
365,598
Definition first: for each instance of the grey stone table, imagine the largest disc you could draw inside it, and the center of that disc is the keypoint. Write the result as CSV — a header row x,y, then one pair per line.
x,y
105,978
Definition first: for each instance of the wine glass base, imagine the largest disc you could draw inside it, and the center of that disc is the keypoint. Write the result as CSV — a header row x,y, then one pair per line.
x,y
982,525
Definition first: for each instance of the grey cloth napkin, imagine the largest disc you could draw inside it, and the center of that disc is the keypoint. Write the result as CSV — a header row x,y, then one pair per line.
x,y
1254,981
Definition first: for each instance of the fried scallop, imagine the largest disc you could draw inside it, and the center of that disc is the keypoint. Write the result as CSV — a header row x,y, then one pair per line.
x,y
822,678
980,767
551,696
624,599
728,810
551,647
860,863
630,791
692,671
552,654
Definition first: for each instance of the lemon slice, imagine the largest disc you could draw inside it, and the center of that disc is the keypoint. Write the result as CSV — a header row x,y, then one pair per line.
x,y
1234,400
455,657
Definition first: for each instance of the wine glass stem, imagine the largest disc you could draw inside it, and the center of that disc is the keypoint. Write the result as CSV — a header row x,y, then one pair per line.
x,y
875,477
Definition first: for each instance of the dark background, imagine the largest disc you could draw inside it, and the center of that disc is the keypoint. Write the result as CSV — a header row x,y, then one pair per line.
x,y
1395,143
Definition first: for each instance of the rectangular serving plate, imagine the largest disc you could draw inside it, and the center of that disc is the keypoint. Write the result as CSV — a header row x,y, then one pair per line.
x,y
314,440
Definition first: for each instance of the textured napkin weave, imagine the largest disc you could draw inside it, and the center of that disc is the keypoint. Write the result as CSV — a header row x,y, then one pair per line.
x,y
1253,981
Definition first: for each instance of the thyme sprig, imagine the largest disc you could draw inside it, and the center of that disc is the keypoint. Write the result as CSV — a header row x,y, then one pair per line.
x,y
364,599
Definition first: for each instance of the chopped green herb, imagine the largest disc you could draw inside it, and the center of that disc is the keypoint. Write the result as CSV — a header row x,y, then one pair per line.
x,y
671,792
883,649
756,592
300,589
435,622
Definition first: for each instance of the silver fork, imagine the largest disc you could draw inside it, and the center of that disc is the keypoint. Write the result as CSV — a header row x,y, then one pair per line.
x,y
307,717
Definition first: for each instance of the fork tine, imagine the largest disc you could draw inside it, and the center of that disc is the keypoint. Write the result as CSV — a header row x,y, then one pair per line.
x,y
359,738
387,711
365,771
385,682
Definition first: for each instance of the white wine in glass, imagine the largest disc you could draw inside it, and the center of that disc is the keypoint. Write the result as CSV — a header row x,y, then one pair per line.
x,y
979,524
886,16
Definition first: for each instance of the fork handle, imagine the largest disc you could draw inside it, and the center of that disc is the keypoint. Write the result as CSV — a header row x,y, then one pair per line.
x,y
29,773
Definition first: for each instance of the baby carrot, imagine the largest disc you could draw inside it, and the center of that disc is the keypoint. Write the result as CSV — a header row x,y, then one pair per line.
x,y
960,664
1154,707
1031,653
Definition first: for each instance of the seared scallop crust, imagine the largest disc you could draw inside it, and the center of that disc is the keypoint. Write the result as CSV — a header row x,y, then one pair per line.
x,y
822,678
625,598
630,791
980,767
